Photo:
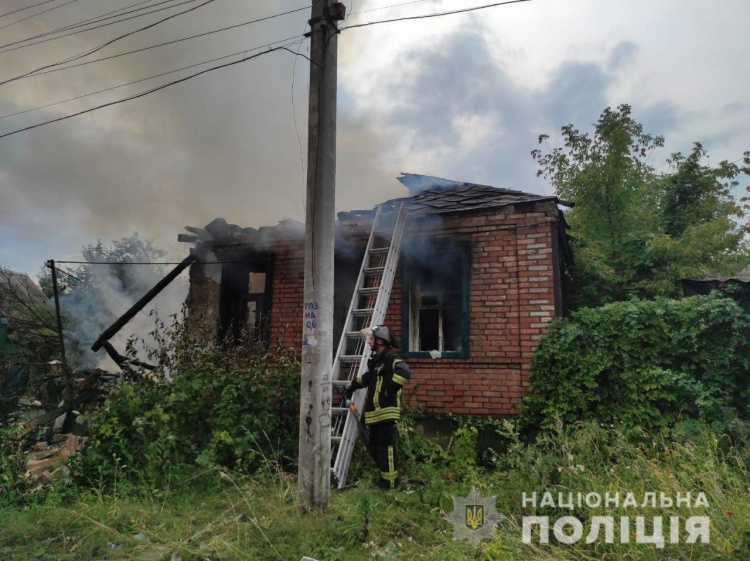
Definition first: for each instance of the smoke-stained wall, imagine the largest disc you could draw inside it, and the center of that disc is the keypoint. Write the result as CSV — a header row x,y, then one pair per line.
x,y
512,298
511,301
203,298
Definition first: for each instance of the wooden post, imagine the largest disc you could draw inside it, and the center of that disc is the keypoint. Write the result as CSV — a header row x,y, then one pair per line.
x,y
68,395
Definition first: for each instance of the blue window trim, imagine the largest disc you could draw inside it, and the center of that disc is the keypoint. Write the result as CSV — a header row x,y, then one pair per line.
x,y
464,249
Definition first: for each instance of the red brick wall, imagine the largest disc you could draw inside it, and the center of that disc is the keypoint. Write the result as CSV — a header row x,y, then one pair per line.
x,y
287,296
511,300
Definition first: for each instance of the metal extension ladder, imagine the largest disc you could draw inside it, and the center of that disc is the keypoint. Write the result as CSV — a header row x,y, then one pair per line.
x,y
368,308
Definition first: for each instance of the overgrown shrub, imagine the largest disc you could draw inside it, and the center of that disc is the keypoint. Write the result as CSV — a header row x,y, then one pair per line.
x,y
214,406
644,364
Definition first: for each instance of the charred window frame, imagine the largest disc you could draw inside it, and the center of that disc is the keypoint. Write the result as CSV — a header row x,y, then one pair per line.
x,y
245,303
435,299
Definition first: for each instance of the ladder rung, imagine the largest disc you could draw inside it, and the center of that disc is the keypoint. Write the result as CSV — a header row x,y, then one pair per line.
x,y
339,410
374,270
352,334
340,382
350,358
389,213
337,438
363,312
368,290
380,250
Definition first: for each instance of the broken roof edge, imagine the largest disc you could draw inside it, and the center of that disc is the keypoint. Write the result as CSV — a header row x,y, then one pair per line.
x,y
433,196
417,184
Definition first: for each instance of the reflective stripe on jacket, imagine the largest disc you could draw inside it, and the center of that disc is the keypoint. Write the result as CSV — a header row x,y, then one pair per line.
x,y
386,375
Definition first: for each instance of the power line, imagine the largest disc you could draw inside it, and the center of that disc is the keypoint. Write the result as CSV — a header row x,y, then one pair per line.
x,y
242,52
188,67
387,7
134,82
59,270
100,47
38,14
284,47
437,15
95,19
90,21
26,8
147,92
35,74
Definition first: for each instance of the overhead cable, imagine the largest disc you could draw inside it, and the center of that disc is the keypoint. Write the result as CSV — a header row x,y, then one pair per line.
x,y
91,21
35,74
387,7
26,8
242,52
436,15
100,47
38,14
283,47
152,90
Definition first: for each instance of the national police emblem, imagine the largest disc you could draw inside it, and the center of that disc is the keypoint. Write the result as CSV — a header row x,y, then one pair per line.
x,y
474,517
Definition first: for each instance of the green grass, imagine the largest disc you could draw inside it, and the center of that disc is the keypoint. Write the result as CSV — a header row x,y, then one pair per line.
x,y
221,515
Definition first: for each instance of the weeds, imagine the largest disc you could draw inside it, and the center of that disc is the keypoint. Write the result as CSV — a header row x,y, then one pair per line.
x,y
219,513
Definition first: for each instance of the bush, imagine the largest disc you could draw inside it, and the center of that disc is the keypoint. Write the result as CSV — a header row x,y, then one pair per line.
x,y
216,406
644,364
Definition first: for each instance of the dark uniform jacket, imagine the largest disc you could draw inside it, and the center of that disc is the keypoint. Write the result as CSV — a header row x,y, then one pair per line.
x,y
386,374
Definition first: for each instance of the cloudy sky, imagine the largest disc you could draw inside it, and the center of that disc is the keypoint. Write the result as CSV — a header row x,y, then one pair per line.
x,y
462,97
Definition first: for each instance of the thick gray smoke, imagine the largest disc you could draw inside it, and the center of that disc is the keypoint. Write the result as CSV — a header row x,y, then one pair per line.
x,y
106,297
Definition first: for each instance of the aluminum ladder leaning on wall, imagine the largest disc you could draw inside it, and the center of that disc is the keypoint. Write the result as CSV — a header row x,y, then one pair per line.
x,y
368,308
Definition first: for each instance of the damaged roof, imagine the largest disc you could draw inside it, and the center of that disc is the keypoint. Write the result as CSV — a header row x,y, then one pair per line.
x,y
428,195
16,287
434,195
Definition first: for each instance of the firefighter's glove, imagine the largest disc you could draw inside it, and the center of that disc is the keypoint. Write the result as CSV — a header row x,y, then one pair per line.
x,y
349,393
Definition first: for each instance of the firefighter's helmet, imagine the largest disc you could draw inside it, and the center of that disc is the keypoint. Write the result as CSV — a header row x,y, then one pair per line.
x,y
382,332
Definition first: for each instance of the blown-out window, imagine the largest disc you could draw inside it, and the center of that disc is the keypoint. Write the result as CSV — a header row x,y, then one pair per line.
x,y
436,299
245,303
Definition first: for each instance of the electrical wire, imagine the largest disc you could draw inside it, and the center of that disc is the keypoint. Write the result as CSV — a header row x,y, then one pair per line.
x,y
38,14
34,75
152,90
26,8
141,80
100,47
386,7
294,119
91,21
285,47
436,15
59,270
299,141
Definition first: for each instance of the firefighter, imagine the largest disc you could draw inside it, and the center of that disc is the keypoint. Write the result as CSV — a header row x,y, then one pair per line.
x,y
385,377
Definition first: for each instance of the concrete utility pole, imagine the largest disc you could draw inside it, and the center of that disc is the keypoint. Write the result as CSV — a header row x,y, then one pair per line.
x,y
314,483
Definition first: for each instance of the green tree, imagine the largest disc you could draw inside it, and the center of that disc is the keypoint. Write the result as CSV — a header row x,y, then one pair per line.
x,y
635,231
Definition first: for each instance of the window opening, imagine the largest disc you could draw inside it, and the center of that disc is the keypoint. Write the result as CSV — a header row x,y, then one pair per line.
x,y
437,297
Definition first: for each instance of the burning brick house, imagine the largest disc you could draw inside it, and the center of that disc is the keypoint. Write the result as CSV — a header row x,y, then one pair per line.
x,y
479,279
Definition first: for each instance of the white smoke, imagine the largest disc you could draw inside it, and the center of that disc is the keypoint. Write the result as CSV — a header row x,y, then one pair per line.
x,y
105,298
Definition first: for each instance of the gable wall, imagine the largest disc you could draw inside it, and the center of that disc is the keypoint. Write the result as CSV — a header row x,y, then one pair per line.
x,y
511,301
